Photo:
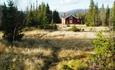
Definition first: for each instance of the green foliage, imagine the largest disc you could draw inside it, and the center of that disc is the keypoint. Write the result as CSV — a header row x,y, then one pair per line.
x,y
43,14
31,19
11,23
74,29
104,50
48,14
96,16
102,44
42,17
72,65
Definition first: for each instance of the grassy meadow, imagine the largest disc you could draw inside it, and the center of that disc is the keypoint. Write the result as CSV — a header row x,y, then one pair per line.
x,y
57,35
47,50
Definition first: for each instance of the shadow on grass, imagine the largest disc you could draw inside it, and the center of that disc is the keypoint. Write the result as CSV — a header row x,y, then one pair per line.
x,y
51,43
54,44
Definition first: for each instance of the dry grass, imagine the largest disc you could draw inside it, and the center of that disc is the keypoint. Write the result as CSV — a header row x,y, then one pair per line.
x,y
14,61
2,48
33,64
23,58
30,51
39,48
67,54
89,29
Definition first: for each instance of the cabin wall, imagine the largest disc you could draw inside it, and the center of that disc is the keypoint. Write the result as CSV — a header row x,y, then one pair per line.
x,y
63,21
72,20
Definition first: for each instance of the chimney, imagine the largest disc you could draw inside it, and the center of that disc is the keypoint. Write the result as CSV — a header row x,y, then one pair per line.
x,y
64,15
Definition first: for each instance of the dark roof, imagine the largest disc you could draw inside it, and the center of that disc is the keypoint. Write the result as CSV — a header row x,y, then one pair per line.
x,y
69,16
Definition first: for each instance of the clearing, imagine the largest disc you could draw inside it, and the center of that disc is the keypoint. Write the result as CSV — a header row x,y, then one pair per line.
x,y
43,50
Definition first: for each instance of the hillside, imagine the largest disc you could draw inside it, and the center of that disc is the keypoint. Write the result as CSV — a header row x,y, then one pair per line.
x,y
73,12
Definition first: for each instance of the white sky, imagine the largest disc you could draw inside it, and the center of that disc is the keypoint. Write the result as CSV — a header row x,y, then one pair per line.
x,y
61,5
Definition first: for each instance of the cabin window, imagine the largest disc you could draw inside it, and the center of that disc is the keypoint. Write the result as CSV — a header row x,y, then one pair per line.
x,y
70,21
78,20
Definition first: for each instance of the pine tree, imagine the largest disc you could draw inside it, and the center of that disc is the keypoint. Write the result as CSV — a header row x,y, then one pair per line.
x,y
113,16
102,15
41,16
48,13
107,16
12,25
32,17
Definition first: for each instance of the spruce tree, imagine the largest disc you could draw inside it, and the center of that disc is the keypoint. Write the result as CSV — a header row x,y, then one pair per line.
x,y
104,52
0,16
12,22
44,15
90,18
96,15
56,17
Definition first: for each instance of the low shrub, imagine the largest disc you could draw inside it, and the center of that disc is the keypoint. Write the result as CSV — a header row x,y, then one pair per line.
x,y
74,29
105,53
48,26
72,65
29,28
10,62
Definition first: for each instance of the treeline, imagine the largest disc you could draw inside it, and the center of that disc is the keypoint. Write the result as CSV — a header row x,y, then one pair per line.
x,y
96,16
14,21
42,16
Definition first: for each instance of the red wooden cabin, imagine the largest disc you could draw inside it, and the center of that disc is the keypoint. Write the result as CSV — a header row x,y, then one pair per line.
x,y
71,20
